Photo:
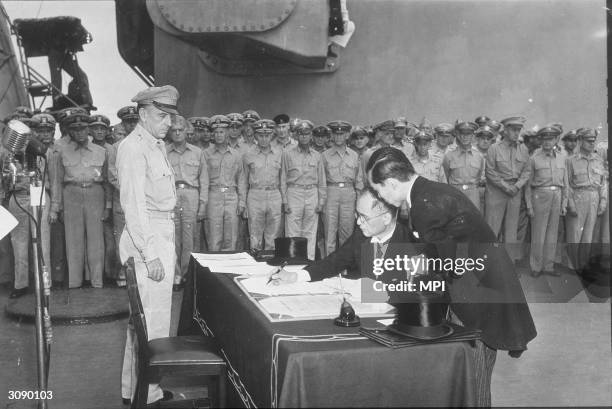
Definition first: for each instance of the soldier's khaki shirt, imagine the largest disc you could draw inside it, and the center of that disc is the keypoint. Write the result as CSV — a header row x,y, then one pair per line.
x,y
289,144
587,172
463,166
546,169
189,166
263,168
342,166
146,182
303,167
427,167
225,169
74,163
507,161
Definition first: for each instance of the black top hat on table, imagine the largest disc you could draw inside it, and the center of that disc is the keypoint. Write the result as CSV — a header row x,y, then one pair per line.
x,y
422,315
293,250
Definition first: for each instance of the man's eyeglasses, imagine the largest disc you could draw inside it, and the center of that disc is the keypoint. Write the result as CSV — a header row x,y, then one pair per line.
x,y
363,218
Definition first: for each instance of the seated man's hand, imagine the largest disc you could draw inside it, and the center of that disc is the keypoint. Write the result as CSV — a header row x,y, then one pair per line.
x,y
155,269
283,277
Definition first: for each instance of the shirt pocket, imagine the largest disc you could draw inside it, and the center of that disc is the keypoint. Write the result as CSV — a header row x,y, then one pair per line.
x,y
161,180
581,175
542,173
214,167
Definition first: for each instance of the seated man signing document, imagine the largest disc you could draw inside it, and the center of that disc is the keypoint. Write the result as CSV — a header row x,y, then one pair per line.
x,y
378,225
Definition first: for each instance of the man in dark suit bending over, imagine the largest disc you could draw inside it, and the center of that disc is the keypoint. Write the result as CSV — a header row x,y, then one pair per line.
x,y
492,299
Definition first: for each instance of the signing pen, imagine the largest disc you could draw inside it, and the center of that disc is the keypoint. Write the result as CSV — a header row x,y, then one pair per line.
x,y
283,264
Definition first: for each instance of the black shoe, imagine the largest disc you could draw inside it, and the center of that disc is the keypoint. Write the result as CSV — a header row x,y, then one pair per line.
x,y
536,274
126,401
86,284
18,292
167,396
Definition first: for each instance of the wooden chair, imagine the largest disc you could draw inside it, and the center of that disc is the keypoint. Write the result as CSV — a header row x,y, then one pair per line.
x,y
171,356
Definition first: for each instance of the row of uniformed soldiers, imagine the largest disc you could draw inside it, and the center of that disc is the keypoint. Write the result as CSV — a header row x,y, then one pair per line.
x,y
291,178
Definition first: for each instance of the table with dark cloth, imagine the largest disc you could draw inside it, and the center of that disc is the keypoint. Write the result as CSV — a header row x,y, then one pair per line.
x,y
313,363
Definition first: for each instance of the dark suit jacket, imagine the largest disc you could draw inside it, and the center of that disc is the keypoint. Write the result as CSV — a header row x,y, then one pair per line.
x,y
356,255
491,300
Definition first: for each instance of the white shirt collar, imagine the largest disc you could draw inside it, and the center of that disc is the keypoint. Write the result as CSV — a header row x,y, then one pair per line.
x,y
384,238
410,184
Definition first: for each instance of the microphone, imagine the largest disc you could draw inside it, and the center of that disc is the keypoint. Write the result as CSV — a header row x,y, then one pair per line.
x,y
16,136
15,141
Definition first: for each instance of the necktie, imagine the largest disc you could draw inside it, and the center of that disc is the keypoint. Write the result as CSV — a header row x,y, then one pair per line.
x,y
379,250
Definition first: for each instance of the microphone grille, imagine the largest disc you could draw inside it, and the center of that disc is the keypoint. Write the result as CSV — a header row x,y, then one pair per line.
x,y
16,137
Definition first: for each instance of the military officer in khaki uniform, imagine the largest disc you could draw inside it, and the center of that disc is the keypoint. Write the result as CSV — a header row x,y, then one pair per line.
x,y
383,136
400,127
484,137
262,167
570,143
283,140
344,177
236,142
129,118
304,175
248,134
98,129
320,136
16,194
507,171
358,140
148,198
588,197
422,161
226,193
191,179
546,200
80,190
465,166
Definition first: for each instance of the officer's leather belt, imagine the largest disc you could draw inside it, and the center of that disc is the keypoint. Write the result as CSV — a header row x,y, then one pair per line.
x,y
160,214
340,184
301,186
588,188
222,189
262,187
511,180
82,184
547,187
465,186
181,185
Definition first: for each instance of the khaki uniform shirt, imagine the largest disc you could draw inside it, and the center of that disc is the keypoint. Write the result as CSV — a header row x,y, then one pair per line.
x,y
427,167
547,169
146,183
303,168
464,166
190,167
587,172
263,169
289,144
507,162
225,170
74,163
342,166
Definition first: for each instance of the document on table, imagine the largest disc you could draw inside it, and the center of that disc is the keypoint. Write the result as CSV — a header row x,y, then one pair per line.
x,y
259,285
318,306
235,263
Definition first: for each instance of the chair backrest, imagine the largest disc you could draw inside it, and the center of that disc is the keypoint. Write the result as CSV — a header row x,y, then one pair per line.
x,y
137,315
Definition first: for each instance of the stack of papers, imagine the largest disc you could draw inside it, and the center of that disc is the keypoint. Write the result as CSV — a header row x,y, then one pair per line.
x,y
236,263
318,306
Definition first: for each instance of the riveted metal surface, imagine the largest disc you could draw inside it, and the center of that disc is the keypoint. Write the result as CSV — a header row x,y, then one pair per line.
x,y
197,16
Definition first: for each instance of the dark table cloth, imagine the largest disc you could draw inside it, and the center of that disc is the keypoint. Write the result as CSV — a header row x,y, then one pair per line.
x,y
313,363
